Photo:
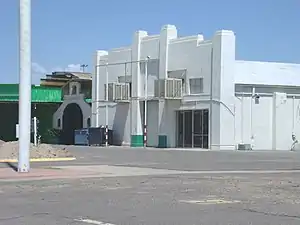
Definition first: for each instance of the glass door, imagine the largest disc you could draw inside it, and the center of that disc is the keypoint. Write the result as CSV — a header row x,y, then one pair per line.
x,y
180,128
198,129
192,128
188,129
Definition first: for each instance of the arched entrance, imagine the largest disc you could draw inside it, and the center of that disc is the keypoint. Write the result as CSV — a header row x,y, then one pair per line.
x,y
72,120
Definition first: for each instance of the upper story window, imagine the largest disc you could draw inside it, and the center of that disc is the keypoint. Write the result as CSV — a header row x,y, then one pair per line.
x,y
74,90
196,86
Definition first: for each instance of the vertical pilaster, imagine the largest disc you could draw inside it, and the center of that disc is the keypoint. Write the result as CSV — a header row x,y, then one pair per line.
x,y
97,87
137,137
167,33
223,89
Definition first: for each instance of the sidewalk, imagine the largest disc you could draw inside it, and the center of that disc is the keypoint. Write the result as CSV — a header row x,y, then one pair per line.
x,y
77,172
48,173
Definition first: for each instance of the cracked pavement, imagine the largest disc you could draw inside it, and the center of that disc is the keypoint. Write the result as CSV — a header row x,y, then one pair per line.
x,y
187,199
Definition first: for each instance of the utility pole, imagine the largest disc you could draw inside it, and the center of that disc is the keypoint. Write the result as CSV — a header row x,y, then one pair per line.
x,y
83,66
24,86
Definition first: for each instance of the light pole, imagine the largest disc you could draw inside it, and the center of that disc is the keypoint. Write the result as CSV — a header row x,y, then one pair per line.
x,y
83,66
24,86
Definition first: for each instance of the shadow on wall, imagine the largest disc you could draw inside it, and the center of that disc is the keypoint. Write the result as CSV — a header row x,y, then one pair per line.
x,y
119,124
72,120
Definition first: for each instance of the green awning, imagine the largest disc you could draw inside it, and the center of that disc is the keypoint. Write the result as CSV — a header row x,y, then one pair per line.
x,y
39,94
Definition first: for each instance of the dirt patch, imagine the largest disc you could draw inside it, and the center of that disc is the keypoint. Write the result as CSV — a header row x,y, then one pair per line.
x,y
10,150
1,142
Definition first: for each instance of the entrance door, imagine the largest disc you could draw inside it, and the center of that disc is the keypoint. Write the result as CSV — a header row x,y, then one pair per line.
x,y
200,134
188,129
72,120
192,128
180,129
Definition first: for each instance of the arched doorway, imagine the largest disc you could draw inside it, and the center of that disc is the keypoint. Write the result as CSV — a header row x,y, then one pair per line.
x,y
72,120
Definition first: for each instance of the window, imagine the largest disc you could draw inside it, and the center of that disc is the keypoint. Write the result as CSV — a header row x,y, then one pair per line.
x,y
58,123
152,67
196,86
74,90
88,122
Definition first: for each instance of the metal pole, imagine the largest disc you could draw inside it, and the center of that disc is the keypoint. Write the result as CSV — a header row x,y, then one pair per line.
x,y
35,130
242,119
24,86
146,102
210,130
106,106
120,63
293,117
251,117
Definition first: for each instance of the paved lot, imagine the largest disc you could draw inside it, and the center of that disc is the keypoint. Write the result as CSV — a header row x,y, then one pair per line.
x,y
185,160
217,197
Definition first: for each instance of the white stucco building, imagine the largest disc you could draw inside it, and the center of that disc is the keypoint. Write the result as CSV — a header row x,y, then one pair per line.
x,y
198,94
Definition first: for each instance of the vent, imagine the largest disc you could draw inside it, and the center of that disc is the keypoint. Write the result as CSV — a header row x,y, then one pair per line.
x,y
168,88
118,92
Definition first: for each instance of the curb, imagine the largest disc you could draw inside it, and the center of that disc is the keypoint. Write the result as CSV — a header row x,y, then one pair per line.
x,y
40,160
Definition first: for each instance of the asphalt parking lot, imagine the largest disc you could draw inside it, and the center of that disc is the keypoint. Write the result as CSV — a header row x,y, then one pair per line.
x,y
184,159
237,188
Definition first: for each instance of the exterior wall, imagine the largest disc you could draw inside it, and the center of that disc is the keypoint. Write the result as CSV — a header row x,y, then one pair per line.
x,y
79,100
270,124
227,91
212,60
118,113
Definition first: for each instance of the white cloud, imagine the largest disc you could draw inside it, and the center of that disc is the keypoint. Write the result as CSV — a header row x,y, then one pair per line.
x,y
73,68
38,72
68,68
37,68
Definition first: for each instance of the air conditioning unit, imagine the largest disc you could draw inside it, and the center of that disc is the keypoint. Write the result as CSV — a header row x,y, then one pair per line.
x,y
170,88
118,92
122,92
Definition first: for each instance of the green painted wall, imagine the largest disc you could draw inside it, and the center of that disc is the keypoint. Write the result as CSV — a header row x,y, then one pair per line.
x,y
9,118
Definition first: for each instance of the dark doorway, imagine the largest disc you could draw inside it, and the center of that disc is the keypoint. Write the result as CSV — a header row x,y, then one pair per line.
x,y
72,120
192,128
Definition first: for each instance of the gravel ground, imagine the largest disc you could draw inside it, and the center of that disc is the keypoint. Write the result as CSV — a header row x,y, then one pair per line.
x,y
10,150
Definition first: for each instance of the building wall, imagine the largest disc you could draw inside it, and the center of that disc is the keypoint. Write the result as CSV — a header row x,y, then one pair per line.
x,y
270,124
118,113
9,119
212,60
77,99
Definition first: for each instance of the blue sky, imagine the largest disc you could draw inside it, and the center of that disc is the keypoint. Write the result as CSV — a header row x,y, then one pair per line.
x,y
66,33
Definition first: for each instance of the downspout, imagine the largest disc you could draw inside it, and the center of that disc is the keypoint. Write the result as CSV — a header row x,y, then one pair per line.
x,y
211,98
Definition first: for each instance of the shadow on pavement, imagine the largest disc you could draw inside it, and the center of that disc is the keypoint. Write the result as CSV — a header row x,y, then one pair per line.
x,y
11,165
